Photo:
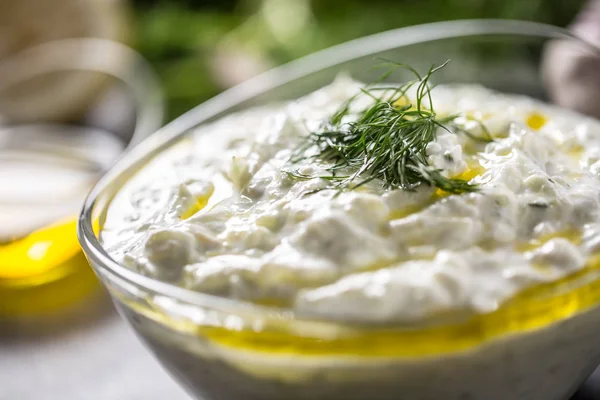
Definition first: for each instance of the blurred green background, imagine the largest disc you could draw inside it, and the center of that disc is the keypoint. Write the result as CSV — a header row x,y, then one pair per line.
x,y
201,47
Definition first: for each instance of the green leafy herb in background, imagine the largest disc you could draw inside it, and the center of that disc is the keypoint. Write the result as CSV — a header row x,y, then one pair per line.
x,y
180,37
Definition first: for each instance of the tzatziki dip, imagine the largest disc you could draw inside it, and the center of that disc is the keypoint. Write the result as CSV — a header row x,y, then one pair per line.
x,y
234,210
374,206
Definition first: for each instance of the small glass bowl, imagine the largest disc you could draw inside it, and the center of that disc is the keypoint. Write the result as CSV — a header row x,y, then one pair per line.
x,y
54,146
541,345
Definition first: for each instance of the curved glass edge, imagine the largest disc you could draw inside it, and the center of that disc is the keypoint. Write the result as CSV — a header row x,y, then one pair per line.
x,y
94,55
106,188
533,310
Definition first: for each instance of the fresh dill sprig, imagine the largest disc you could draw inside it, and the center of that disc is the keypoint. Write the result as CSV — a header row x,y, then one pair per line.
x,y
387,141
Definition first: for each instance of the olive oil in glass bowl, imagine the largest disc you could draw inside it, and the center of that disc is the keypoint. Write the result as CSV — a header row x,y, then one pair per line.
x,y
48,166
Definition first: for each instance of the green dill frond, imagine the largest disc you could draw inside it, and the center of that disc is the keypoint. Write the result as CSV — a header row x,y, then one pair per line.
x,y
387,141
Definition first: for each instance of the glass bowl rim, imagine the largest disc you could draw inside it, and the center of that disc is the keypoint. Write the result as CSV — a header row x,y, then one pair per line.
x,y
128,165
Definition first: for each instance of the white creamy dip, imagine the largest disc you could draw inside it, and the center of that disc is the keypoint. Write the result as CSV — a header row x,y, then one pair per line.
x,y
216,214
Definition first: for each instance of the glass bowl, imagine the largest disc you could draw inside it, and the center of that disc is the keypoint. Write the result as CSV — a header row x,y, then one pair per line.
x,y
52,153
540,345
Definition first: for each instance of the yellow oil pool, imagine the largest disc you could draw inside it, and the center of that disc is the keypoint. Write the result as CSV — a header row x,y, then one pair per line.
x,y
44,271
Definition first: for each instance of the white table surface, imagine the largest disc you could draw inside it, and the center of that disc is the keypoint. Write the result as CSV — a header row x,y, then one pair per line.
x,y
89,354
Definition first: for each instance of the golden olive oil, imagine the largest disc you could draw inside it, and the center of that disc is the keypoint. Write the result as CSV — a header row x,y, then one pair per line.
x,y
44,271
